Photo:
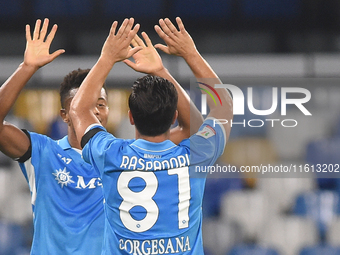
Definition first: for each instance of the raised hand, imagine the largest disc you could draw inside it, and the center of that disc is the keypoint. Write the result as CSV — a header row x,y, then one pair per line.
x,y
117,45
178,42
147,60
37,48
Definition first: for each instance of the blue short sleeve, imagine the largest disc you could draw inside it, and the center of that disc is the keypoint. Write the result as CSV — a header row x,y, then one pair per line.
x,y
98,146
208,143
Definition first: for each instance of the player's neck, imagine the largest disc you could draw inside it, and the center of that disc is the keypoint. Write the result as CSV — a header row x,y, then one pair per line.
x,y
154,139
72,138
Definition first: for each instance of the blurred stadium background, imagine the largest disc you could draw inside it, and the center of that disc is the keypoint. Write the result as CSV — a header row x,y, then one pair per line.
x,y
249,43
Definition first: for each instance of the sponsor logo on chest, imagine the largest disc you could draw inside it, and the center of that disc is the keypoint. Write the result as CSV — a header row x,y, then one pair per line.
x,y
64,177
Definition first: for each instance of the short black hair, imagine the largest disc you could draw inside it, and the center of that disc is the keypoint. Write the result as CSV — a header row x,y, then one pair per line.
x,y
153,103
71,81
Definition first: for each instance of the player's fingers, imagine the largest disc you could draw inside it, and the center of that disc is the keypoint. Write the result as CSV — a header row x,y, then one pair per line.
x,y
122,28
57,54
162,48
134,51
171,26
130,63
113,28
128,28
147,39
51,35
139,41
180,24
132,33
36,29
160,33
44,29
28,33
134,43
164,27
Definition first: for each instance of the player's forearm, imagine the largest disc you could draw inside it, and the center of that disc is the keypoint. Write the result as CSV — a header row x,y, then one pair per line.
x,y
82,105
204,73
13,142
87,95
12,87
224,111
199,66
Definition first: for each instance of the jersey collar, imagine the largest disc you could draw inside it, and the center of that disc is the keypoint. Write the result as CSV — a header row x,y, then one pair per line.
x,y
147,146
63,143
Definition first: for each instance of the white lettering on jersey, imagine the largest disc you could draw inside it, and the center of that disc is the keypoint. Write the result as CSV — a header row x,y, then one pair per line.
x,y
144,199
135,163
93,183
64,178
156,246
66,160
152,156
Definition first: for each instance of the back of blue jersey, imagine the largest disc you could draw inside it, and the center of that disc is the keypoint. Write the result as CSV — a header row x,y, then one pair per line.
x,y
153,204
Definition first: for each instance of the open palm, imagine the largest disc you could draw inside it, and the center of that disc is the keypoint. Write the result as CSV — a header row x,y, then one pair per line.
x,y
37,48
178,42
147,60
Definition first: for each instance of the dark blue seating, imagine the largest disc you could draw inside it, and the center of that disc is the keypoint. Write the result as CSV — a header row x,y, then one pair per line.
x,y
321,206
215,188
11,238
324,154
320,250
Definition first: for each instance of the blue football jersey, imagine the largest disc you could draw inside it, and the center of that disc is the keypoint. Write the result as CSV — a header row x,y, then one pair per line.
x,y
67,199
152,197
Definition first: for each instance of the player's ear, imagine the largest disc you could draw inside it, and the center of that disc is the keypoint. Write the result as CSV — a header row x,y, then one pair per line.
x,y
64,115
175,117
132,122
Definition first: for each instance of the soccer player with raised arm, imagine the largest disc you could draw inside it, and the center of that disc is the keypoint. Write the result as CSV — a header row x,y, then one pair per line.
x,y
66,193
148,61
152,203
67,198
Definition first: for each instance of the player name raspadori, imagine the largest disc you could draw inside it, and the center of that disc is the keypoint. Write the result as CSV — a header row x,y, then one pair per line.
x,y
135,163
156,246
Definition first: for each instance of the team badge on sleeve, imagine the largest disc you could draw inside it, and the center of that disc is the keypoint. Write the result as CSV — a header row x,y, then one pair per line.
x,y
206,132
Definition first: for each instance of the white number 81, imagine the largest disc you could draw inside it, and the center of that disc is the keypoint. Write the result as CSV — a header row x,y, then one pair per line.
x,y
144,199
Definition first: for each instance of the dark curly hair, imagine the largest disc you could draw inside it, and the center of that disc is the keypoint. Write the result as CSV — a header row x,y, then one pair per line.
x,y
72,81
153,102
